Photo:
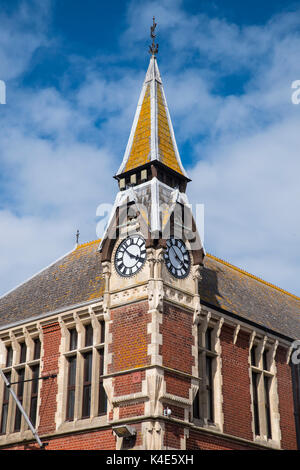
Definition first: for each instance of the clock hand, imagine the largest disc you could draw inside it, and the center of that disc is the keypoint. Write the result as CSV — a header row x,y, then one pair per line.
x,y
177,257
131,255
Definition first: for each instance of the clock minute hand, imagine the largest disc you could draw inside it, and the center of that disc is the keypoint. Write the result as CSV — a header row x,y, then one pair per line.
x,y
176,256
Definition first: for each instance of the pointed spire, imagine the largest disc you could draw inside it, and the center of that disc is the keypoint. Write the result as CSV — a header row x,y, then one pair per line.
x,y
152,136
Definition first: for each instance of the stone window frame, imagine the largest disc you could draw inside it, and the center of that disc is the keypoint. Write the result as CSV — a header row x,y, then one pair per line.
x,y
215,324
79,320
265,349
14,338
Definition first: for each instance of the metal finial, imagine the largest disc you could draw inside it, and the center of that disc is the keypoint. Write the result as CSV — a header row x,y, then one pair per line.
x,y
77,237
153,49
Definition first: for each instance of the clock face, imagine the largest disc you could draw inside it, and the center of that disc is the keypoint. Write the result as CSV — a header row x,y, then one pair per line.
x,y
130,256
177,258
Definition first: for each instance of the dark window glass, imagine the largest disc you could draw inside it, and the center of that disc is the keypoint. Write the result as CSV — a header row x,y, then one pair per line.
x,y
196,406
265,360
5,404
102,331
20,390
88,335
208,341
253,355
209,387
73,339
87,382
23,350
71,388
9,356
255,378
267,406
37,348
34,393
102,395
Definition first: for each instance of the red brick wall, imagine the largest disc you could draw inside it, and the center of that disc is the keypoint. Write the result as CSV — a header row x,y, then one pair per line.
x,y
132,409
129,337
95,440
48,391
286,405
236,384
177,385
172,436
128,383
176,330
201,441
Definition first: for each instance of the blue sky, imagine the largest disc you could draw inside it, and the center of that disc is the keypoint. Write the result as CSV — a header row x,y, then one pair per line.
x,y
74,71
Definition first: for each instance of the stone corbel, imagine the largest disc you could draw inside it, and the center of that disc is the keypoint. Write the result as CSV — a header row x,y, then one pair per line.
x,y
196,277
194,390
219,327
205,319
288,353
197,310
273,350
108,387
197,305
236,333
251,340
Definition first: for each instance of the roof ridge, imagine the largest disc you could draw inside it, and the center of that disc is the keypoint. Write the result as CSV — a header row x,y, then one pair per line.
x,y
252,276
88,243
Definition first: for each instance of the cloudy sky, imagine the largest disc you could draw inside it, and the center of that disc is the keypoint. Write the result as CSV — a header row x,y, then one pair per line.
x,y
73,72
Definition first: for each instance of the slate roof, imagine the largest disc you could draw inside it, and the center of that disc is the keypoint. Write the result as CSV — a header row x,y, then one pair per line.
x,y
77,278
71,280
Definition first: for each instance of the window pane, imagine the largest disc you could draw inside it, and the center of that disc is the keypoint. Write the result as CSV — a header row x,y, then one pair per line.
x,y
71,388
86,405
265,360
88,335
72,370
253,355
70,405
20,389
196,406
102,407
102,334
73,339
4,418
208,342
34,393
102,399
5,404
209,381
87,380
267,406
9,356
23,350
37,348
255,378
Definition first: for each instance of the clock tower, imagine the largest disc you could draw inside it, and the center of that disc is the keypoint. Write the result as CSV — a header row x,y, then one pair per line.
x,y
151,254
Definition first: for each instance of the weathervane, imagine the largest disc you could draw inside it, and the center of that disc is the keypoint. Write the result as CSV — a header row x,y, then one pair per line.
x,y
77,237
153,49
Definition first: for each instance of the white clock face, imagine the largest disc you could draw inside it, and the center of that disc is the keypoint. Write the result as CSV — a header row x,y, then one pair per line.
x,y
177,258
130,256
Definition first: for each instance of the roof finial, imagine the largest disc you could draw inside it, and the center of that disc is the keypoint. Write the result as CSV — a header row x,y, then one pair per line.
x,y
77,237
153,49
